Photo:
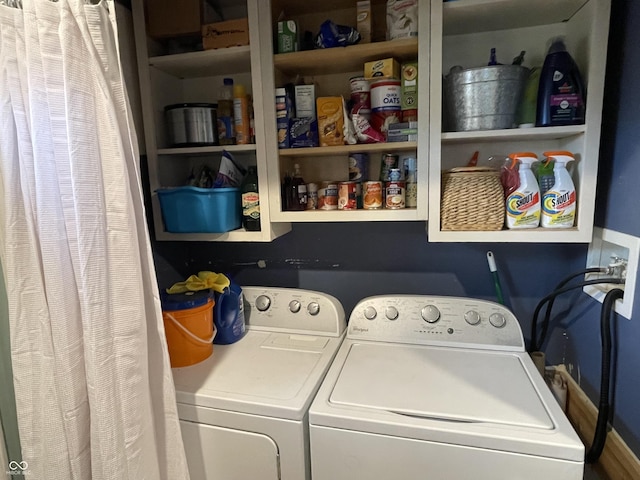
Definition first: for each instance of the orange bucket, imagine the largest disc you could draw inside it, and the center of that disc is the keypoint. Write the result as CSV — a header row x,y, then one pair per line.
x,y
188,326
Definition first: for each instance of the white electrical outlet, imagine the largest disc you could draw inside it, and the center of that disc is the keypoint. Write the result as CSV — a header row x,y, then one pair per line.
x,y
609,248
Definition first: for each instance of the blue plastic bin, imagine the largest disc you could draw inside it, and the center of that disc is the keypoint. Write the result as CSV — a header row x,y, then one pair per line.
x,y
200,210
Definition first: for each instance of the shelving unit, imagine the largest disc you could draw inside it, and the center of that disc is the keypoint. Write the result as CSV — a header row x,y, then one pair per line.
x,y
196,77
330,70
462,32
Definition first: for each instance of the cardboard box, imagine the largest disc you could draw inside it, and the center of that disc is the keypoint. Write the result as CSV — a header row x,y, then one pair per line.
x,y
330,121
381,69
288,36
409,86
231,33
363,20
403,132
305,96
284,115
165,20
303,132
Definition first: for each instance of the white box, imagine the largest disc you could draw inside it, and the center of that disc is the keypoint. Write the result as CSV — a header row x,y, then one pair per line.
x,y
305,101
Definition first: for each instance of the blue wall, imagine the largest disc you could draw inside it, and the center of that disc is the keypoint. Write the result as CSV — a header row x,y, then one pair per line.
x,y
355,260
577,341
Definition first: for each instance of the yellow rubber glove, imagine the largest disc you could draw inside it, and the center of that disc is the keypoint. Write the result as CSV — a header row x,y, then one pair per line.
x,y
202,281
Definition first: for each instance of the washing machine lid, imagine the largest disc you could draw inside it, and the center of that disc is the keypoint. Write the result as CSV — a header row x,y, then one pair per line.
x,y
458,385
264,373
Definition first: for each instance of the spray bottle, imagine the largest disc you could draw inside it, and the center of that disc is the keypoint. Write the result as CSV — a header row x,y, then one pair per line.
x,y
523,204
559,203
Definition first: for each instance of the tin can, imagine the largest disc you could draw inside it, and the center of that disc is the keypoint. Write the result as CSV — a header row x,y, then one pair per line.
x,y
358,167
395,194
372,195
347,196
395,174
388,162
361,96
385,104
411,177
312,196
328,196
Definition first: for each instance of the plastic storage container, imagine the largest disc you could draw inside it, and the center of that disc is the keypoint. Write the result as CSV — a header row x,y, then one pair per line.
x,y
200,210
188,326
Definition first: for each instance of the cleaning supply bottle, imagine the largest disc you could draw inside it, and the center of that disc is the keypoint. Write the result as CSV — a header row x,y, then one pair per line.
x,y
229,315
523,204
241,115
561,90
559,203
546,177
226,127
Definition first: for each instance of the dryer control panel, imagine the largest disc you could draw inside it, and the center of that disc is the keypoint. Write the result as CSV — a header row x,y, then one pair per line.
x,y
436,320
293,310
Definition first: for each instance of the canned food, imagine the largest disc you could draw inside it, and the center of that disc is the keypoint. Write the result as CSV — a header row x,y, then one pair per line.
x,y
411,177
360,96
385,104
328,196
347,196
388,162
395,195
358,166
312,196
395,174
372,195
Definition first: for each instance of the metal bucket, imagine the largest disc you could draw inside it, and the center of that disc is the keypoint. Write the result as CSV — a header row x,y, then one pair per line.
x,y
484,98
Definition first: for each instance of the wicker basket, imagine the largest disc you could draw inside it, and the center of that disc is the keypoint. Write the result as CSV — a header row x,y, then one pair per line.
x,y
472,199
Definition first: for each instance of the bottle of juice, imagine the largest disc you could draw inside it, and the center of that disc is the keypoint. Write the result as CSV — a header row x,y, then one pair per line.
x,y
241,115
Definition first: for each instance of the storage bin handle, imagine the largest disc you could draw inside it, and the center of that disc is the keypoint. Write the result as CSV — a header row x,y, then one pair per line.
x,y
185,330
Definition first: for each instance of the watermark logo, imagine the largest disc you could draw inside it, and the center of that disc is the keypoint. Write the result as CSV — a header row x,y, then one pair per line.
x,y
18,468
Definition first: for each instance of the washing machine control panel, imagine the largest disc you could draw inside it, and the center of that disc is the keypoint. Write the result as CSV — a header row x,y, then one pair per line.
x,y
293,310
436,320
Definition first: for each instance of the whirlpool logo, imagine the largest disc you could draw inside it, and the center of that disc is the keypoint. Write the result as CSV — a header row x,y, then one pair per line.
x,y
18,468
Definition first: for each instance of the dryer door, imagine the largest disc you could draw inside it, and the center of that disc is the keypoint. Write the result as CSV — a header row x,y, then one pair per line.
x,y
216,452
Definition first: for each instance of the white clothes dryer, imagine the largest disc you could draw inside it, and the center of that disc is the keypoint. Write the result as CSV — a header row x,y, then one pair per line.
x,y
439,388
244,411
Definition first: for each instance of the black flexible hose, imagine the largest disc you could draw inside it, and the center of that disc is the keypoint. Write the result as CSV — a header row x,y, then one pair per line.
x,y
562,283
600,434
534,344
547,316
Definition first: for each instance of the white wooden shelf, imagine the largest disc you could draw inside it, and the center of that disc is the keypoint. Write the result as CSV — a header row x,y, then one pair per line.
x,y
223,61
346,149
206,150
533,235
382,215
473,16
514,134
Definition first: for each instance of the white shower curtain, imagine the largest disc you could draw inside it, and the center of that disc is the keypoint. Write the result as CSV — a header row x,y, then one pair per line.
x,y
94,392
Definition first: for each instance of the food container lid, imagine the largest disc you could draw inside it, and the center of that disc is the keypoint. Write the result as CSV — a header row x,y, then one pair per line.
x,y
190,105
184,301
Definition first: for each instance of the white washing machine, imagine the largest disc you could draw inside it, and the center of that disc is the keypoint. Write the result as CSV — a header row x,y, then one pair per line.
x,y
438,388
243,411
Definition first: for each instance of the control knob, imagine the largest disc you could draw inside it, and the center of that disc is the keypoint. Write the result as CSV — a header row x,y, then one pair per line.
x,y
370,313
294,306
391,313
472,317
263,303
497,320
313,308
430,314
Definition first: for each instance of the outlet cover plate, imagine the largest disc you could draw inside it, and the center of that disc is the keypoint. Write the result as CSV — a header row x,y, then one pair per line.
x,y
605,244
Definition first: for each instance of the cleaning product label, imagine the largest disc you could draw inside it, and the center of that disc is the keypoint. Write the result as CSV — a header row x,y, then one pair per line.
x,y
523,209
559,207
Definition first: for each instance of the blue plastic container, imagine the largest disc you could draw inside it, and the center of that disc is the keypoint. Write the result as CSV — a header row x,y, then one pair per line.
x,y
200,210
229,315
